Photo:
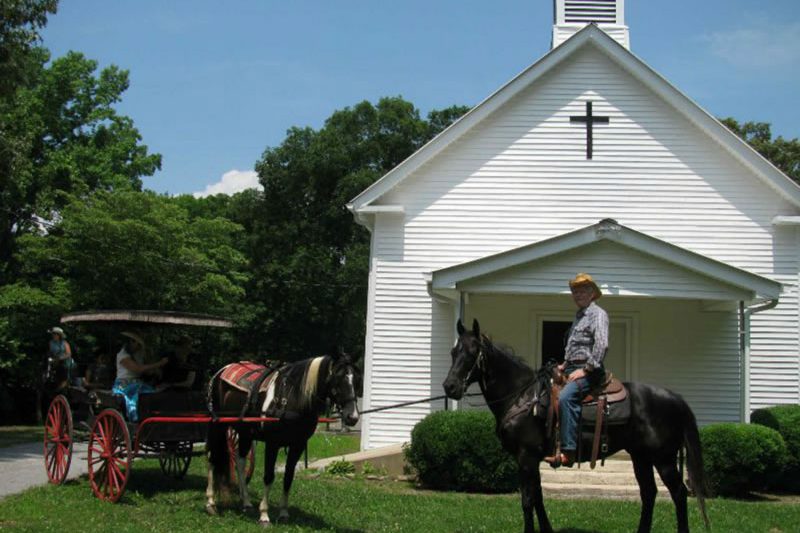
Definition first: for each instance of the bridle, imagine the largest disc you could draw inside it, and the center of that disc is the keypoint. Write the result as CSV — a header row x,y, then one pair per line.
x,y
479,364
337,402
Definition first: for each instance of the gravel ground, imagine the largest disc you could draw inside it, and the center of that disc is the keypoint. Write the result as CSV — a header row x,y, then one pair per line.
x,y
22,466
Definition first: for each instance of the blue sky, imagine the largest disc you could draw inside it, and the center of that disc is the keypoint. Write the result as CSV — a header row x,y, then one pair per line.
x,y
215,83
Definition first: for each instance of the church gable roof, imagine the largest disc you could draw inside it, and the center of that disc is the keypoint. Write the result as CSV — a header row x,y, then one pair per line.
x,y
589,36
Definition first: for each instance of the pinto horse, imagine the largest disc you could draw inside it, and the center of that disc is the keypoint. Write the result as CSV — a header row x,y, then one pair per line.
x,y
297,394
660,423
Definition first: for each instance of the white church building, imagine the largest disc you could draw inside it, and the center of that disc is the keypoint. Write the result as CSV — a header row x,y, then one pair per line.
x,y
587,161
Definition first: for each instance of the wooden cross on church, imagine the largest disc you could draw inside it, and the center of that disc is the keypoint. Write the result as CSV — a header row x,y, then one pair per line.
x,y
589,119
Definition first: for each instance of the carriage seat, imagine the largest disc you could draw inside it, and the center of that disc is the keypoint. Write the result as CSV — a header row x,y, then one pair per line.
x,y
611,387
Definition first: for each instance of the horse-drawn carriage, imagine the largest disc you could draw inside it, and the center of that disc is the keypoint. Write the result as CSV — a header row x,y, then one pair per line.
x,y
280,404
170,421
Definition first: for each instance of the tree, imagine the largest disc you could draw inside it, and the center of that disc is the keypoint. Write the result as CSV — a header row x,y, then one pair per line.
x,y
783,153
61,137
20,22
310,258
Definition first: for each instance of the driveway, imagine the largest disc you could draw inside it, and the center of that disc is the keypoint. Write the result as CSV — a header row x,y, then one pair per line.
x,y
22,466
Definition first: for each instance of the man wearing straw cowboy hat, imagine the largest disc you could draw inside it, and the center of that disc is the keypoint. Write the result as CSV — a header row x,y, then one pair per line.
x,y
586,347
130,367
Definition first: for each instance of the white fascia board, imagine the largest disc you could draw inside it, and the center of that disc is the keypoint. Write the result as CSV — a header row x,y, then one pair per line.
x,y
786,220
704,120
366,215
469,120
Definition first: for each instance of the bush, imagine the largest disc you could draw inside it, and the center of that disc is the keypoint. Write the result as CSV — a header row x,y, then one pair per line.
x,y
459,450
740,458
785,419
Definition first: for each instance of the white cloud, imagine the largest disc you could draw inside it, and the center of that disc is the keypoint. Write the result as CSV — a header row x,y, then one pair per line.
x,y
232,182
763,46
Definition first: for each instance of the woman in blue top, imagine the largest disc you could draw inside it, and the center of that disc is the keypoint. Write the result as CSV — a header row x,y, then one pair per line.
x,y
60,352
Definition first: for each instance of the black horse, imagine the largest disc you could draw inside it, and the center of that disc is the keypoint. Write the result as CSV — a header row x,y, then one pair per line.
x,y
661,422
298,394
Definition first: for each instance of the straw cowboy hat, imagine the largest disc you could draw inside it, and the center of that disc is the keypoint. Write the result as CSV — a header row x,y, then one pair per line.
x,y
133,336
586,279
57,331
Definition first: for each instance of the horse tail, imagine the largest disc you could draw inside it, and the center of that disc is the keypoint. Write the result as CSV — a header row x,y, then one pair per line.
x,y
694,463
217,450
219,456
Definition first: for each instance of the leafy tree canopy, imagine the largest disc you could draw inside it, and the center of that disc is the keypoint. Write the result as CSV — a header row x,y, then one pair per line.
x,y
783,153
309,257
60,136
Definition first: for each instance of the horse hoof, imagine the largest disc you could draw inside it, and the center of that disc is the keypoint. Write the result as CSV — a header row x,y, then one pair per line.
x,y
283,516
212,510
264,523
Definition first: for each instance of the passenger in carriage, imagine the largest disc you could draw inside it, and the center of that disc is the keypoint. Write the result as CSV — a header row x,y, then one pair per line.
x,y
130,370
60,353
100,373
585,350
179,373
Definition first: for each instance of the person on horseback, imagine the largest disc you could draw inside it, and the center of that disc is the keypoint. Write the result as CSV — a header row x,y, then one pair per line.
x,y
586,347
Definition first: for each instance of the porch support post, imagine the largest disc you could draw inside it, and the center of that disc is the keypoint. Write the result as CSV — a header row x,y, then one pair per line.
x,y
744,359
458,311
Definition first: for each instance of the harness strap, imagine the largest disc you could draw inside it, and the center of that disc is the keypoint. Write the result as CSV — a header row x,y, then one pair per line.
x,y
255,386
598,424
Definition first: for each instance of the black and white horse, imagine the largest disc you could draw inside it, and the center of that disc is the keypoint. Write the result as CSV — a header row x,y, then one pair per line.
x,y
661,422
298,394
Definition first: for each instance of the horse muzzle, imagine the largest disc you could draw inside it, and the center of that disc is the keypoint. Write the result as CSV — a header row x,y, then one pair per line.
x,y
453,388
350,415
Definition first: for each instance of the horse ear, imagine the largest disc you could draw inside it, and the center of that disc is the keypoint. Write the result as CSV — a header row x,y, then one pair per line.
x,y
460,328
476,328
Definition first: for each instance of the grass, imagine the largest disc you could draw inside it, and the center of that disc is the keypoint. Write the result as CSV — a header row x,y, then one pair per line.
x,y
12,435
155,503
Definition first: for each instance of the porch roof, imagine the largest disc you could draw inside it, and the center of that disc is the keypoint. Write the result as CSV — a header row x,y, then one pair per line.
x,y
624,261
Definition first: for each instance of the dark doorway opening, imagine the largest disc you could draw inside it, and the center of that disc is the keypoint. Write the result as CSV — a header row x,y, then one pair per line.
x,y
554,335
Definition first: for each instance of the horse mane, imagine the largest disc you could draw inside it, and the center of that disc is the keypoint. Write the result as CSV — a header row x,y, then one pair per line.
x,y
311,380
507,352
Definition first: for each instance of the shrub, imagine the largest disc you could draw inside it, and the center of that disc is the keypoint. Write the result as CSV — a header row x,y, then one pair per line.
x,y
740,458
459,450
785,419
340,467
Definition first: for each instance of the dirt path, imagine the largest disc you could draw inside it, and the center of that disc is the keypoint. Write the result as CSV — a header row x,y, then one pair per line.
x,y
22,466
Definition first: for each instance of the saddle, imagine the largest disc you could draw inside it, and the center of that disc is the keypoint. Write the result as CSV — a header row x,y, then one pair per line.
x,y
606,404
251,378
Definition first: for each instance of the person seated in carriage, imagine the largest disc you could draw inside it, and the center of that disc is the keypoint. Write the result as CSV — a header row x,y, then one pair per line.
x,y
59,356
179,373
99,373
131,368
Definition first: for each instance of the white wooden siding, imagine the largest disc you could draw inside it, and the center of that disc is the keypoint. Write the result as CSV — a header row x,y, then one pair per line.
x,y
625,272
521,176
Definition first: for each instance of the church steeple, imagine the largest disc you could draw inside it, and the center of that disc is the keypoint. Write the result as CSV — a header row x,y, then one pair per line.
x,y
572,15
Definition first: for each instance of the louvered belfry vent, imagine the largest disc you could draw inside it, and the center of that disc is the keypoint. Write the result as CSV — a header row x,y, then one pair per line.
x,y
585,11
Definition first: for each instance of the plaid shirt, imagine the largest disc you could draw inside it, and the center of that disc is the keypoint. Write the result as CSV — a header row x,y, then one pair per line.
x,y
587,339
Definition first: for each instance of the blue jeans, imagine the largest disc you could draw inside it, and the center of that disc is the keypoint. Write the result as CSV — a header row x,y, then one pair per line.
x,y
569,405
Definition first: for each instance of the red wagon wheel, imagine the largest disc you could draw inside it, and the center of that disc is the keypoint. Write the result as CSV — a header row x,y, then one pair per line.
x,y
58,440
233,452
109,456
174,459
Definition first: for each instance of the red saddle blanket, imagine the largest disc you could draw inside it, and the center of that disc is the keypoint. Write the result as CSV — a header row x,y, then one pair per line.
x,y
244,374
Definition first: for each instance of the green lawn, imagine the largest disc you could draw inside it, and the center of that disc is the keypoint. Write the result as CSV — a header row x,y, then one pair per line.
x,y
11,435
155,503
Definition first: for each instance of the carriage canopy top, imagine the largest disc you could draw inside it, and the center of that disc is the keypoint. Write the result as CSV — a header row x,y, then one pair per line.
x,y
148,317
